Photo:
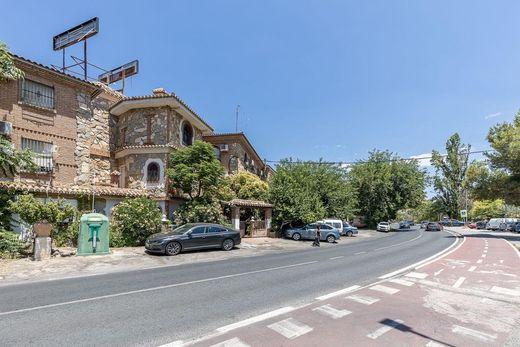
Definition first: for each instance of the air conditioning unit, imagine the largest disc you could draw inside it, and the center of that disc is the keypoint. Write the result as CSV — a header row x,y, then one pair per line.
x,y
6,128
224,148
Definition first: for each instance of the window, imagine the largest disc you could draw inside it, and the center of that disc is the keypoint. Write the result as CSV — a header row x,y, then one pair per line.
x,y
187,134
42,153
216,230
325,227
37,94
152,173
198,230
216,152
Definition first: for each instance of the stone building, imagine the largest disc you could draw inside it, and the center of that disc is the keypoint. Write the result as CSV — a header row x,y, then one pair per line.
x,y
65,121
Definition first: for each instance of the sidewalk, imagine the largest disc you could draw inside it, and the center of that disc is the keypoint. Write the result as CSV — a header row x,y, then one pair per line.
x,y
134,258
470,297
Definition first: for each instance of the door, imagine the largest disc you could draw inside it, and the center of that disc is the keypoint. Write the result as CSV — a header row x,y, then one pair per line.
x,y
196,238
215,235
325,231
309,232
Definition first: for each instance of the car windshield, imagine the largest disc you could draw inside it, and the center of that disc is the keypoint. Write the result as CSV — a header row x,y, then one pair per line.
x,y
181,230
384,223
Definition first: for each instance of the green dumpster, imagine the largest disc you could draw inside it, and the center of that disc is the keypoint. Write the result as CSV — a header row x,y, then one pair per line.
x,y
93,234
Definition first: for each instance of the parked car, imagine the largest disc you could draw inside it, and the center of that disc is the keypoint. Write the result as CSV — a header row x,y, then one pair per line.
x,y
472,225
451,222
349,230
481,224
509,225
433,226
404,224
512,226
335,223
424,223
494,223
327,233
383,226
193,236
517,228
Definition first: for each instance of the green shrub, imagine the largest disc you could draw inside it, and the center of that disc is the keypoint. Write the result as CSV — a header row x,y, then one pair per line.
x,y
10,246
133,220
199,210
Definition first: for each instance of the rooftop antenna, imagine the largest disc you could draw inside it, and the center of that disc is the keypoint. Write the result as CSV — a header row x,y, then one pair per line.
x,y
236,120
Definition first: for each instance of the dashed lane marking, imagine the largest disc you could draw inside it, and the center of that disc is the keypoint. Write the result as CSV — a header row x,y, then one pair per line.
x,y
483,255
471,269
479,261
384,289
507,291
501,261
459,282
473,333
389,325
485,250
331,312
234,342
358,253
256,319
365,300
402,282
290,328
338,257
419,275
339,292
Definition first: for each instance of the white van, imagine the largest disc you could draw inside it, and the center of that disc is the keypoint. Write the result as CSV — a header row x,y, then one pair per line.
x,y
335,223
495,223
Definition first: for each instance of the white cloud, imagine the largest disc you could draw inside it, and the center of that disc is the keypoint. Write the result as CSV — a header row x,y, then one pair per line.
x,y
424,159
493,115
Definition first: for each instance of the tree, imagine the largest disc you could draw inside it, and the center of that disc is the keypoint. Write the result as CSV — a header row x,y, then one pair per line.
x,y
195,171
13,160
451,174
487,209
385,184
8,70
200,210
303,192
246,185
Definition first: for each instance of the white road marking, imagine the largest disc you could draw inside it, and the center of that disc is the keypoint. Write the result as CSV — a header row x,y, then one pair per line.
x,y
473,333
434,344
485,250
389,326
483,255
471,269
459,282
290,328
438,272
501,262
339,292
420,275
402,282
385,289
234,342
338,257
154,288
479,261
331,312
506,291
178,343
256,319
365,300
401,243
358,253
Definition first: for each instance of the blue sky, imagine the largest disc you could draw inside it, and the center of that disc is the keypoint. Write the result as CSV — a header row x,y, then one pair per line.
x,y
315,79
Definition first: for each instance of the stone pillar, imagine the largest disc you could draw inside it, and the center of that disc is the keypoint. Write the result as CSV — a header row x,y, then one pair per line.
x,y
42,247
268,216
235,217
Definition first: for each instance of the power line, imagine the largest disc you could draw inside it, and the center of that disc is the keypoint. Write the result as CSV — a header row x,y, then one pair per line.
x,y
365,161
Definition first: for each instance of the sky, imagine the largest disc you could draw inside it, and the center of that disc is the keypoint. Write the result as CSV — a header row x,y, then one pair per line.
x,y
314,79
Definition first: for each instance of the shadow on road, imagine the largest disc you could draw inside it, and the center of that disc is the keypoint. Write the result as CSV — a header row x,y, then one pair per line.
x,y
407,329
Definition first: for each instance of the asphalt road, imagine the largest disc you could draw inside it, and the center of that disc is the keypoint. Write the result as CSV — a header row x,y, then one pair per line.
x,y
157,306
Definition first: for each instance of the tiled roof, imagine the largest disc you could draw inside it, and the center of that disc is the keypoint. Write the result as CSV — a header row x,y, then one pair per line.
x,y
248,203
109,90
170,95
72,190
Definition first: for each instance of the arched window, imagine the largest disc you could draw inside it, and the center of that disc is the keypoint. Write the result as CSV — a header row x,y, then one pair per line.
x,y
152,173
187,134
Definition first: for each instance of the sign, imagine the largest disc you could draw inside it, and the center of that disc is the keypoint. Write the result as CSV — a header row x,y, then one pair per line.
x,y
464,213
77,34
119,73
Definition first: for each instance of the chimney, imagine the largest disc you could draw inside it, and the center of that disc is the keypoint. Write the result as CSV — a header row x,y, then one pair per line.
x,y
160,92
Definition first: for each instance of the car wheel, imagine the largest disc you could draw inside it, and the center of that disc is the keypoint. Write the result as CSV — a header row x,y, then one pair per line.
x,y
349,233
296,236
228,244
331,239
173,248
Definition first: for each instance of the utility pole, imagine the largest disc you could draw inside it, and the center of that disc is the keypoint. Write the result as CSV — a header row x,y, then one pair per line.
x,y
236,118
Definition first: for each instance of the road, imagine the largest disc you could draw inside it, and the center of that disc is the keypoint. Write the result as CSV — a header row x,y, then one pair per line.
x,y
158,306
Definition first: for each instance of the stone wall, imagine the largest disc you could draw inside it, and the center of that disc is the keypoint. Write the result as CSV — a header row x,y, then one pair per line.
x,y
135,166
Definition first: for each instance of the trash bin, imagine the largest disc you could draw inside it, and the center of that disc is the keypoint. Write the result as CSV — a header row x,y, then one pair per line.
x,y
93,234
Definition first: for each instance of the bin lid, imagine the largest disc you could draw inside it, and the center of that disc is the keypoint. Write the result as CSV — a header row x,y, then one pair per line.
x,y
94,218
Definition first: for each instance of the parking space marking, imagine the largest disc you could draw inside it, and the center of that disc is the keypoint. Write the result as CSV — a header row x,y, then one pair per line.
x,y
507,291
419,275
473,333
434,344
459,282
479,261
389,325
255,319
331,312
339,292
384,289
471,269
438,272
234,342
290,328
365,300
402,282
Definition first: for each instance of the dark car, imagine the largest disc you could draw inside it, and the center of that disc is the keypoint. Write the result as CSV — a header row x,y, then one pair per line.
x,y
193,236
404,224
424,223
481,224
517,228
432,226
